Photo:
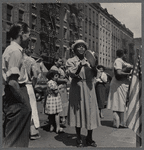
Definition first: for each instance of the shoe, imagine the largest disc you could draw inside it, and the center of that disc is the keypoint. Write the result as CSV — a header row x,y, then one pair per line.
x,y
122,126
116,120
79,143
90,142
101,115
35,137
51,128
60,130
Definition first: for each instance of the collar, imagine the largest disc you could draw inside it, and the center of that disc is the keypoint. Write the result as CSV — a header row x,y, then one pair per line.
x,y
77,58
17,45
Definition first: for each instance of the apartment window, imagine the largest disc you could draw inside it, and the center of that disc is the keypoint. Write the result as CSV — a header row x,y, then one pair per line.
x,y
89,28
21,15
9,12
66,15
85,9
65,33
93,30
85,26
65,51
103,21
34,21
89,43
93,46
85,39
100,60
57,29
57,48
89,13
43,26
34,5
93,15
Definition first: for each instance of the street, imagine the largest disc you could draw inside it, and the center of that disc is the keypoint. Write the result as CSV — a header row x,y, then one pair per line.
x,y
105,135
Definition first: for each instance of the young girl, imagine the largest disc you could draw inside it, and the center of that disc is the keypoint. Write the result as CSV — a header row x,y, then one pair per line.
x,y
53,104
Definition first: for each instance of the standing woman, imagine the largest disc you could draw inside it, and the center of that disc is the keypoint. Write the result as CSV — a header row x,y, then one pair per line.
x,y
119,88
101,88
83,110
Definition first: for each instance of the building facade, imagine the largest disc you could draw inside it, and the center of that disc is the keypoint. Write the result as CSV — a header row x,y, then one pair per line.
x,y
55,27
11,13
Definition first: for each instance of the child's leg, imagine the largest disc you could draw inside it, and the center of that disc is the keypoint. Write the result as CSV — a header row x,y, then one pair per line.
x,y
57,122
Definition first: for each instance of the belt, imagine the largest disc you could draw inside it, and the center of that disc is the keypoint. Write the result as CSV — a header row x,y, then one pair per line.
x,y
22,84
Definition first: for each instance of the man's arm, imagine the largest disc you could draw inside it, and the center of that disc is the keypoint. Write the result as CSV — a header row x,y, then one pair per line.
x,y
15,88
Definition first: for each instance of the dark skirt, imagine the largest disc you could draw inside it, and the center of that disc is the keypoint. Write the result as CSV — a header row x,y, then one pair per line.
x,y
101,94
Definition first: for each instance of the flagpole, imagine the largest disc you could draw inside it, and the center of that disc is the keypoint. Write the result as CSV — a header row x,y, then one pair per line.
x,y
138,139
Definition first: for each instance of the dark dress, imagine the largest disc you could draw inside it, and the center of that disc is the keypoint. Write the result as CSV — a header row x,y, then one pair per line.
x,y
101,94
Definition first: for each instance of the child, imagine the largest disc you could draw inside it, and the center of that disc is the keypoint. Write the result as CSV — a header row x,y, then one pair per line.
x,y
53,104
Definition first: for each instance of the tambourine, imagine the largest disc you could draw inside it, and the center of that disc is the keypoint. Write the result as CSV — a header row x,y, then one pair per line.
x,y
91,57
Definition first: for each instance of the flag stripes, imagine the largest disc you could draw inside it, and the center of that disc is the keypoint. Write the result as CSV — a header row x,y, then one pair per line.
x,y
134,111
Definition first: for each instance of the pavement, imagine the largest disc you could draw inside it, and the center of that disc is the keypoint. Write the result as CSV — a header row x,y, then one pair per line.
x,y
105,135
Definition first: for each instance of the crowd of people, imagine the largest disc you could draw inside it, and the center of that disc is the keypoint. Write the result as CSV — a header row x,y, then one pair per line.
x,y
80,104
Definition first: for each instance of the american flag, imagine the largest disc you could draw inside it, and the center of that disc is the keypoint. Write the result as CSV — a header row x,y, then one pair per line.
x,y
134,107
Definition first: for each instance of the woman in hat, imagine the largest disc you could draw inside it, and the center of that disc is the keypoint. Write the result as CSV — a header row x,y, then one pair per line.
x,y
83,109
119,88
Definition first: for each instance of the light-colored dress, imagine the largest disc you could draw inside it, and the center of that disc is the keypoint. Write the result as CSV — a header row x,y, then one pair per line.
x,y
63,91
118,89
83,109
53,103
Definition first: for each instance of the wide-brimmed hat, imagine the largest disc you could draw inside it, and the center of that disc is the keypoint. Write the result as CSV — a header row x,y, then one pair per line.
x,y
78,42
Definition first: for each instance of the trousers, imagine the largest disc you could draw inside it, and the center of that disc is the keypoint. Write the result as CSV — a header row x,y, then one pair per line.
x,y
17,119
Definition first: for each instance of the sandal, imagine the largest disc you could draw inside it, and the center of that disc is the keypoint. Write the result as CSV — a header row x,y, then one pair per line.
x,y
79,143
90,142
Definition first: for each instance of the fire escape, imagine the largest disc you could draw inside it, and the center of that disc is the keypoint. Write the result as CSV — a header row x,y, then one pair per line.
x,y
48,33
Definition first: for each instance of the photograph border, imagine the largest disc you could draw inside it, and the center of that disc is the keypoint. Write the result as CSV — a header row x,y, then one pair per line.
x,y
76,1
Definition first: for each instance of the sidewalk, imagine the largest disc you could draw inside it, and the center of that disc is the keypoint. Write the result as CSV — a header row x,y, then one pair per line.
x,y
105,136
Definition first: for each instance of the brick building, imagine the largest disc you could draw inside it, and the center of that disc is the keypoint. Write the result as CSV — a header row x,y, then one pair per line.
x,y
55,26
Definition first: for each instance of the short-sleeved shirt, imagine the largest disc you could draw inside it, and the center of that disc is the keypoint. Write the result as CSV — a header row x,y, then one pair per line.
x,y
120,64
12,63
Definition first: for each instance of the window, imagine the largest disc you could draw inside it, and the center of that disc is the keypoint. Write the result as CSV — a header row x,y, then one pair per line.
x,y
9,12
34,5
89,43
57,48
57,29
93,46
66,15
93,15
65,52
93,30
65,33
21,15
34,21
89,28
89,13
43,26
85,39
85,9
85,26
103,21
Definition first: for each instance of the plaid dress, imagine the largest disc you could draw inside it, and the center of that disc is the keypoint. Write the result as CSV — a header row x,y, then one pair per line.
x,y
53,103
